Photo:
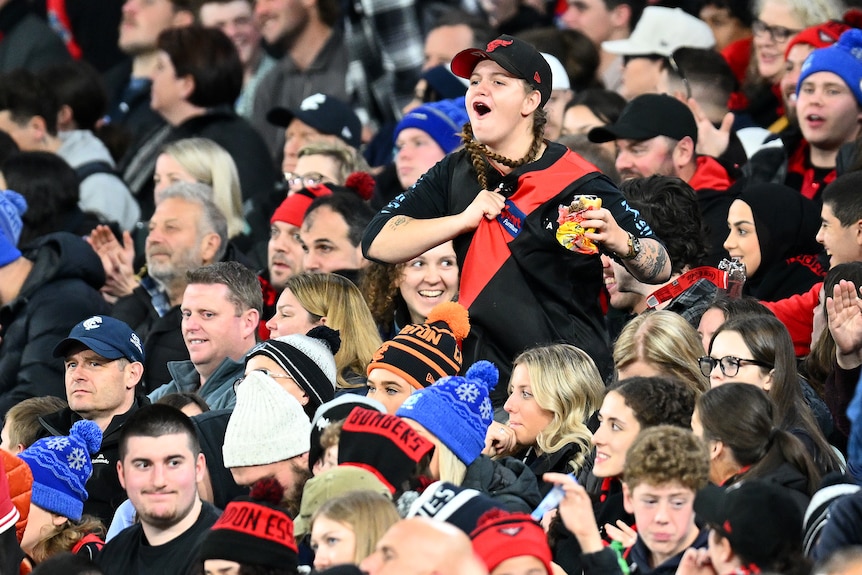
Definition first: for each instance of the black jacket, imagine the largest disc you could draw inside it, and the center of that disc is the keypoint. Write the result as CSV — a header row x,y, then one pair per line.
x,y
61,290
507,481
103,487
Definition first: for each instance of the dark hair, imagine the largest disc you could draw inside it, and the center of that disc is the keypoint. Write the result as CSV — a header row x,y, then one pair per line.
x,y
751,433
243,284
637,9
708,74
77,84
157,420
733,308
739,9
575,51
604,104
843,198
8,147
669,206
180,399
67,564
356,213
24,95
657,400
210,58
594,153
482,30
50,187
770,343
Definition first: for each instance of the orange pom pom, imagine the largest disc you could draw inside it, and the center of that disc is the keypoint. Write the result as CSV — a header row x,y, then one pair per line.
x,y
454,315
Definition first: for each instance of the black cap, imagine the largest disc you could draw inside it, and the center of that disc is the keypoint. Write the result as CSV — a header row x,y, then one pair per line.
x,y
762,521
648,116
326,114
515,56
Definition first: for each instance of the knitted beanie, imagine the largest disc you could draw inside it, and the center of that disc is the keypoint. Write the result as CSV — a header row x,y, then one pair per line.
x,y
456,410
501,535
423,353
843,59
820,36
331,412
442,120
308,359
333,483
267,425
382,444
12,207
61,466
460,506
254,530
292,210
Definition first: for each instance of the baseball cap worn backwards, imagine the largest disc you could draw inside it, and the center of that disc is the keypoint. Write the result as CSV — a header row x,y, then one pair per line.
x,y
517,57
109,337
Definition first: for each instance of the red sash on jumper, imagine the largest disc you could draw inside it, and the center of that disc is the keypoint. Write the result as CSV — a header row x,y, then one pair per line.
x,y
489,248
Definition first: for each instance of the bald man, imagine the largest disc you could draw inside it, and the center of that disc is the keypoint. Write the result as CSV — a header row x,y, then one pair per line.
x,y
421,546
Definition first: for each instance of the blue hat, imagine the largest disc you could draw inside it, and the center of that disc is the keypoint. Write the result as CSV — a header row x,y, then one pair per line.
x,y
456,410
441,120
12,207
444,82
844,58
61,466
109,337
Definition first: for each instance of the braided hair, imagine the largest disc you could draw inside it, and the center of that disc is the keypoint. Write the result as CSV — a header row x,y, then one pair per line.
x,y
479,152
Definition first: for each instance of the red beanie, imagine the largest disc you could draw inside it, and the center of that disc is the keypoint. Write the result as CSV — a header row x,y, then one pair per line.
x,y
292,210
501,535
826,33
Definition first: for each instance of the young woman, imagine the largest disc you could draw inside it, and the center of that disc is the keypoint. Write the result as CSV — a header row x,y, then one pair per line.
x,y
757,350
554,390
500,199
405,293
344,530
777,246
736,421
309,300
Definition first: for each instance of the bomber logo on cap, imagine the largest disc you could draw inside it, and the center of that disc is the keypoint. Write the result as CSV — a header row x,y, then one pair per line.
x,y
494,44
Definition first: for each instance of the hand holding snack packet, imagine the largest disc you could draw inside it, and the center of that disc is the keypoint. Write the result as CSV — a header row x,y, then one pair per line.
x,y
570,232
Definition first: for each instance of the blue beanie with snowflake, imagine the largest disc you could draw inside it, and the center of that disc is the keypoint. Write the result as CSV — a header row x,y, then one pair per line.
x,y
456,410
61,466
844,58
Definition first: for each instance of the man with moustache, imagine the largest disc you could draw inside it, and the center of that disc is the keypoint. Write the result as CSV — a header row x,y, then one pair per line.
x,y
315,60
656,134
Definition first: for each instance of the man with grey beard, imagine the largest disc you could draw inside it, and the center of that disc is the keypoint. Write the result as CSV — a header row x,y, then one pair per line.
x,y
187,231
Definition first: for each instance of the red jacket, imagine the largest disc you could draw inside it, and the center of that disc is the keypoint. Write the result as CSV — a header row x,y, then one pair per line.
x,y
797,314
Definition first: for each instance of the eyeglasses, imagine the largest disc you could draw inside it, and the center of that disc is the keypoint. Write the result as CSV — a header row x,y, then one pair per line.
x,y
728,364
239,380
777,33
678,71
305,180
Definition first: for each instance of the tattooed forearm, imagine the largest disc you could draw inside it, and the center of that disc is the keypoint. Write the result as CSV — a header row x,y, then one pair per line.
x,y
397,222
652,264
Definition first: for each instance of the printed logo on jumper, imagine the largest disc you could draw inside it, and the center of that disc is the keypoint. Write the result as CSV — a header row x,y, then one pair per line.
x,y
512,218
498,43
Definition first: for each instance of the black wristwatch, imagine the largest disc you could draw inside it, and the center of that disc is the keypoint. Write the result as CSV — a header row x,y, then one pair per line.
x,y
634,248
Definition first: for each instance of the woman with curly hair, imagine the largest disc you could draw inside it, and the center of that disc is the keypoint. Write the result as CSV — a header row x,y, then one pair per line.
x,y
553,391
309,300
405,293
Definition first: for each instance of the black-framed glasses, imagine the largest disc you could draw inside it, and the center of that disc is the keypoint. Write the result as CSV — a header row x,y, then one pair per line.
x,y
777,33
679,73
728,364
308,180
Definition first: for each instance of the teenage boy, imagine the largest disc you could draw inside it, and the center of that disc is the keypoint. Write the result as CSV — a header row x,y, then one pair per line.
x,y
665,468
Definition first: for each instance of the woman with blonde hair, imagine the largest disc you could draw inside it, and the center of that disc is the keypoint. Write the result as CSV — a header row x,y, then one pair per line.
x,y
344,530
660,343
553,391
202,160
324,163
309,300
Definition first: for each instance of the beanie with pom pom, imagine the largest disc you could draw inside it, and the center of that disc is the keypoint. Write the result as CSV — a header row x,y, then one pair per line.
x,y
844,59
254,530
456,410
423,353
61,466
